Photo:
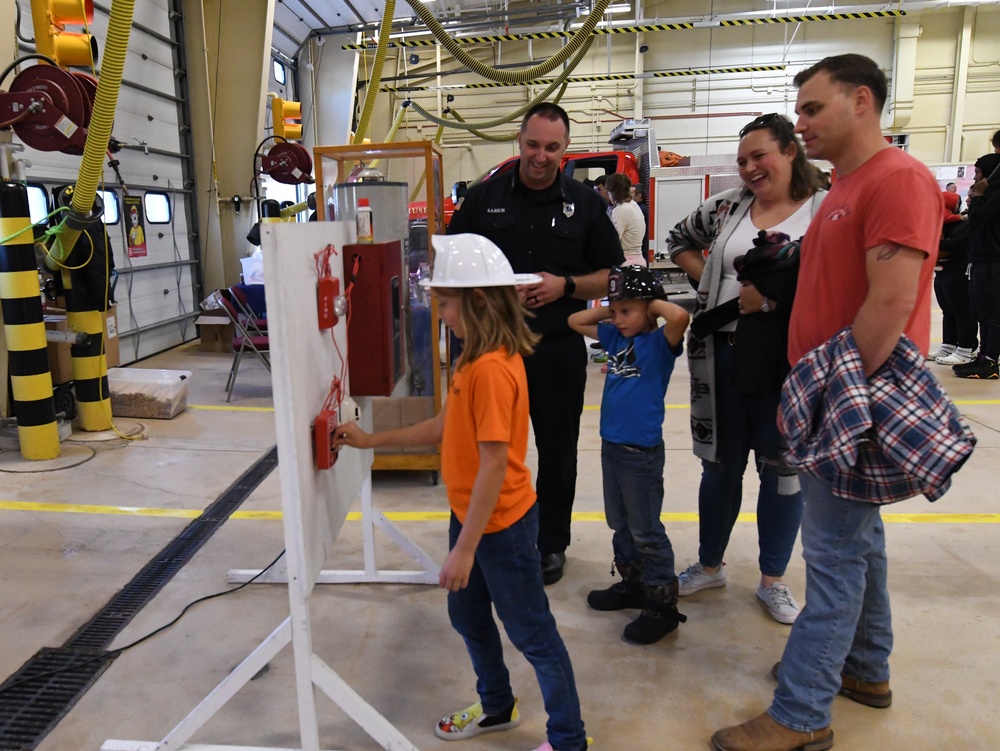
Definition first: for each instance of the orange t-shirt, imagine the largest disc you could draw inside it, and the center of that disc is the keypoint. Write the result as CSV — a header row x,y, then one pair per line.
x,y
891,198
488,401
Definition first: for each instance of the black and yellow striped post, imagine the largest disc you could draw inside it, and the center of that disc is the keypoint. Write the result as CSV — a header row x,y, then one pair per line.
x,y
85,271
90,368
31,381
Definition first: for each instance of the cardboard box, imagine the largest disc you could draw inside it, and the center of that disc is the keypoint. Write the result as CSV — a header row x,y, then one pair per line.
x,y
148,393
399,412
215,330
60,358
112,350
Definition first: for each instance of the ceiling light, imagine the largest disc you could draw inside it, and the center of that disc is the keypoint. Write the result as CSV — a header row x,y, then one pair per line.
x,y
619,8
408,34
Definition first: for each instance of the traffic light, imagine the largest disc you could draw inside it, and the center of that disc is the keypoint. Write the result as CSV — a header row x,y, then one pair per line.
x,y
68,49
287,119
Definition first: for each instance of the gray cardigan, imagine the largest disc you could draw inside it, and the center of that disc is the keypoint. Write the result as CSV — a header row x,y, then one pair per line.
x,y
710,226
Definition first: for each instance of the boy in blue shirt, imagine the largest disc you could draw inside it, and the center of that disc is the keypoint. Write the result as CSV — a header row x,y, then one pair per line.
x,y
640,360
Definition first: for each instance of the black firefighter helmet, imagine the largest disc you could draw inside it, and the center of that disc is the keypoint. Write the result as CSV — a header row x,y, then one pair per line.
x,y
634,283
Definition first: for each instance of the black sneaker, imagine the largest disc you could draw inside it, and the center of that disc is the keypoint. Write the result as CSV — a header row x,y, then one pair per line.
x,y
968,367
985,370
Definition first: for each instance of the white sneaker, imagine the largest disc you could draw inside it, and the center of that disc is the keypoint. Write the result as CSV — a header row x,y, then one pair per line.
x,y
943,351
780,602
955,358
694,579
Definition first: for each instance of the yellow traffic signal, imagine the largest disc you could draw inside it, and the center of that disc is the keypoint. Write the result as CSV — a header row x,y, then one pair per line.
x,y
68,49
287,119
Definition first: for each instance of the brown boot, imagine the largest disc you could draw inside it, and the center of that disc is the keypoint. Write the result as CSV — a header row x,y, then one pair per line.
x,y
877,695
765,734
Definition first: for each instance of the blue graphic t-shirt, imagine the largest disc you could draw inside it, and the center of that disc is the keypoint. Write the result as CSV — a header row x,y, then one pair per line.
x,y
639,370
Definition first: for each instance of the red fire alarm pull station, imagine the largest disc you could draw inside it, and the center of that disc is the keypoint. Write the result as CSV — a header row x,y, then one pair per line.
x,y
376,356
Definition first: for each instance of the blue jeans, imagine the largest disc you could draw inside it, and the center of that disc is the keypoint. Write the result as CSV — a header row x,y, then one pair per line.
x,y
507,575
633,500
846,624
743,423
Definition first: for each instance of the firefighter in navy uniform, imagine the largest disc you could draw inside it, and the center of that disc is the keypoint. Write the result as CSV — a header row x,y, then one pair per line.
x,y
554,226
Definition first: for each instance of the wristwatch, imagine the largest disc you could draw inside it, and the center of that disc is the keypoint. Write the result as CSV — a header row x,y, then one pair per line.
x,y
764,307
570,286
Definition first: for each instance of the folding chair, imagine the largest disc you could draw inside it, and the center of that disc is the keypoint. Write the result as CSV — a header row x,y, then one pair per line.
x,y
249,300
246,337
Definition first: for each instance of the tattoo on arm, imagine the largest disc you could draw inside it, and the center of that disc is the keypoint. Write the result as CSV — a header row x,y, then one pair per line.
x,y
886,252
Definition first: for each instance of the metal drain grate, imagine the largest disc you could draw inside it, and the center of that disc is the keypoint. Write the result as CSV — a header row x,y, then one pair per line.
x,y
30,710
51,685
99,631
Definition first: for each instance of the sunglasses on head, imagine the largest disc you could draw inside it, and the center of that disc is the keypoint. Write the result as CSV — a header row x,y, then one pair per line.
x,y
765,121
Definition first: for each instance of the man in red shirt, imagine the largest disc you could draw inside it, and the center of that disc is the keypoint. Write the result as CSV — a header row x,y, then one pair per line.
x,y
867,261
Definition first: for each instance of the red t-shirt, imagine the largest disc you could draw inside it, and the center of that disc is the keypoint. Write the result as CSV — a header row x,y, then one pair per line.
x,y
890,199
488,401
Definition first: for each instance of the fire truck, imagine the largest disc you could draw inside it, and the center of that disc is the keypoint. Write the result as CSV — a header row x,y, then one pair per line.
x,y
632,153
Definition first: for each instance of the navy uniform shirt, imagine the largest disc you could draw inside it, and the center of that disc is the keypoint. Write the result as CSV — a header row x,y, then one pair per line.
x,y
562,229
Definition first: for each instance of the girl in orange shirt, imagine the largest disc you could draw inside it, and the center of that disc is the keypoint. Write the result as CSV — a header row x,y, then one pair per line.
x,y
493,560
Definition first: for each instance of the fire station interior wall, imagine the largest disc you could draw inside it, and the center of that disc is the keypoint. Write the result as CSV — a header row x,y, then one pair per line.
x,y
150,297
699,115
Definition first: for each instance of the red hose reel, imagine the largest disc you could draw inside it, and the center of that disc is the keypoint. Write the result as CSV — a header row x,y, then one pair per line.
x,y
49,108
288,163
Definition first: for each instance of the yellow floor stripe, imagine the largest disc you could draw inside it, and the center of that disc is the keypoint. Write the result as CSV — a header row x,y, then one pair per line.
x,y
959,402
225,408
434,516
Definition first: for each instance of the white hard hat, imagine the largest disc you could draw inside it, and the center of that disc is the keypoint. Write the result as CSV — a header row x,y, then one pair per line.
x,y
469,260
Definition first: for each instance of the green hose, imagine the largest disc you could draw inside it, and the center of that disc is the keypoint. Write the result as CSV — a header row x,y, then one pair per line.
x,y
507,76
376,77
510,136
560,80
99,130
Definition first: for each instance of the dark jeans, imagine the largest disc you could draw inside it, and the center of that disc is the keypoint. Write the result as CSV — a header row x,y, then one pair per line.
x,y
743,423
958,325
633,500
557,375
986,305
507,575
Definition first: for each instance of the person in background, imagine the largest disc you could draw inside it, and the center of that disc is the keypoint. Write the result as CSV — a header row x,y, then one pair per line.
x,y
867,263
951,287
483,432
639,196
601,186
952,188
632,455
983,247
995,142
733,410
552,225
627,218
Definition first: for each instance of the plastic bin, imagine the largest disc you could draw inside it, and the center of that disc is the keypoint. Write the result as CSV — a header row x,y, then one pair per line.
x,y
148,393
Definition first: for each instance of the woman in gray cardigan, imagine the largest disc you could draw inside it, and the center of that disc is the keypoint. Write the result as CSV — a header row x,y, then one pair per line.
x,y
781,192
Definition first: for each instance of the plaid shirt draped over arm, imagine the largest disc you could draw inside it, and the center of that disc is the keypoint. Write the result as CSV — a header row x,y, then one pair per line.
x,y
880,440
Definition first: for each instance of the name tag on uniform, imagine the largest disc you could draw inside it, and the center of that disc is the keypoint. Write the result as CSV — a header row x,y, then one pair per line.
x,y
568,210
496,210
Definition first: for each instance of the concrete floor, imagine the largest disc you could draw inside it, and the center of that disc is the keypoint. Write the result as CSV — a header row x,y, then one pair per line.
x,y
393,644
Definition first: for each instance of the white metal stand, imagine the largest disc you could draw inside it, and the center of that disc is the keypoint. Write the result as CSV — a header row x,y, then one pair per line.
x,y
371,518
314,503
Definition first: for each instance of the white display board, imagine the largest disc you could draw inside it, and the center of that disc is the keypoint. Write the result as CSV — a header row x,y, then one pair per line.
x,y
315,503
